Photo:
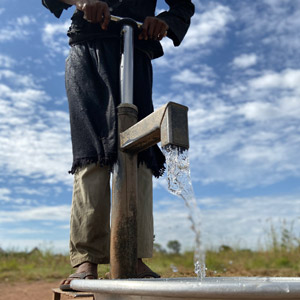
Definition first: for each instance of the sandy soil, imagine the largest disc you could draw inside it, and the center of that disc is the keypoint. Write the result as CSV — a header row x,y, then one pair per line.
x,y
27,291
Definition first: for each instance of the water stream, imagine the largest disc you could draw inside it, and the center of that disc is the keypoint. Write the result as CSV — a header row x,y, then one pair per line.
x,y
180,184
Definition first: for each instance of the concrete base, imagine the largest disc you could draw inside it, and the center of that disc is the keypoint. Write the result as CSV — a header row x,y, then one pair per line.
x,y
217,288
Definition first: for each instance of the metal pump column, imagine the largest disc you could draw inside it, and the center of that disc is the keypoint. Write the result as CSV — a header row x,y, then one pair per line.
x,y
126,68
123,247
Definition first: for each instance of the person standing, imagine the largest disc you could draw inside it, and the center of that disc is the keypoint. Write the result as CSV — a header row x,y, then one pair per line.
x,y
92,86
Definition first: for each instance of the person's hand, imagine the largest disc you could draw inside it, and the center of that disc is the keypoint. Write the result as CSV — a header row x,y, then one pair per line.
x,y
153,28
95,11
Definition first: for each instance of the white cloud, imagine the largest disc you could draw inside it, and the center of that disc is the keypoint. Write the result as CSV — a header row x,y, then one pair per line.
x,y
24,231
29,191
41,213
258,153
276,3
57,246
55,38
248,121
51,29
283,109
207,31
245,61
4,194
207,27
272,27
6,61
17,79
18,28
8,197
244,125
252,132
25,20
202,75
287,79
35,141
243,222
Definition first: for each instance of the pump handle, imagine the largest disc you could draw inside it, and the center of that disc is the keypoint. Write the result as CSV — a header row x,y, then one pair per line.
x,y
127,21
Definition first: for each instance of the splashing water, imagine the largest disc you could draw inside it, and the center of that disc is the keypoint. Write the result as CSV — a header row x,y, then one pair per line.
x,y
180,184
174,268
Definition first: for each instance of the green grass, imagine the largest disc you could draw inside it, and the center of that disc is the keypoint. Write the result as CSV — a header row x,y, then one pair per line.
x,y
38,265
279,257
43,265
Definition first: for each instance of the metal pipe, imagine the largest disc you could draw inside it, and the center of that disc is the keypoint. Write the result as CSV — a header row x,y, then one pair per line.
x,y
123,236
216,288
126,67
123,248
120,19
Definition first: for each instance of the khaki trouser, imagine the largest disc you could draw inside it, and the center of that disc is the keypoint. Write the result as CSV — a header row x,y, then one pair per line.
x,y
90,215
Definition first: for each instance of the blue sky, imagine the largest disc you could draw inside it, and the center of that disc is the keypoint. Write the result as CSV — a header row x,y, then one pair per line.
x,y
238,71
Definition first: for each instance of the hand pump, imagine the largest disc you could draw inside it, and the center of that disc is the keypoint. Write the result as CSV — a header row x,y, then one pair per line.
x,y
123,248
168,125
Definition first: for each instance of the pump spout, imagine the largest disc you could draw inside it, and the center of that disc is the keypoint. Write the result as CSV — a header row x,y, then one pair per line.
x,y
168,125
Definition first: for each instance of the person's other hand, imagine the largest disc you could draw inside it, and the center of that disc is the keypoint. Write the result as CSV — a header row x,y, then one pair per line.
x,y
95,11
153,28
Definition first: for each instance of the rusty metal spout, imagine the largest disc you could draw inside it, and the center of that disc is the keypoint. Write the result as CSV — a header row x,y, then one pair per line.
x,y
168,125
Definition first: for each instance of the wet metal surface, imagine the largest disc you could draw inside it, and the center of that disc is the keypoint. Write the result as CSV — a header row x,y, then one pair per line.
x,y
191,288
126,66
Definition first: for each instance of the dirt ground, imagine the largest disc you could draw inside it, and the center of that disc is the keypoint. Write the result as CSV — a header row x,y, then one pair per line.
x,y
38,290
